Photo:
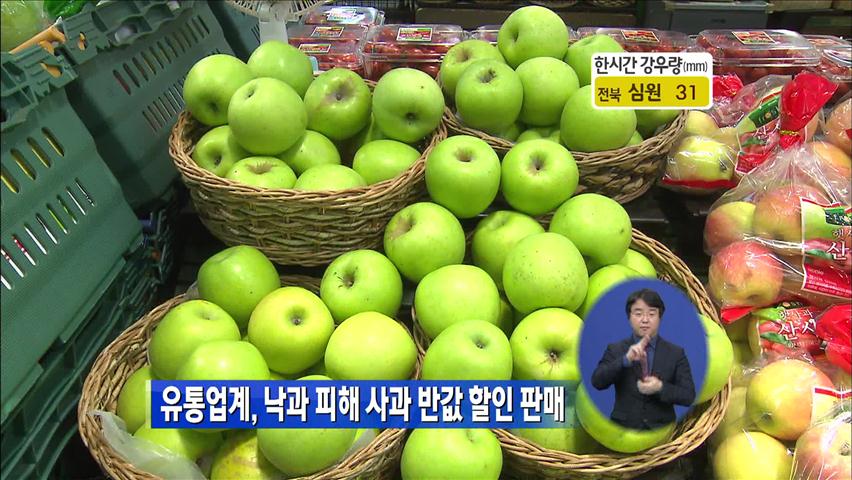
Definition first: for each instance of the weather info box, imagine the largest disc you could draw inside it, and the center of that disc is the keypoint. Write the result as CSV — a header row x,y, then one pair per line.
x,y
361,404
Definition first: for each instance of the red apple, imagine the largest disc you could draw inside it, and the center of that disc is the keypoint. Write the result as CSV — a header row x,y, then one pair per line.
x,y
745,273
823,452
839,125
778,213
727,224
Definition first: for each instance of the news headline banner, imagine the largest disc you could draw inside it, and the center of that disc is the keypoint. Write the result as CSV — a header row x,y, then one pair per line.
x,y
362,404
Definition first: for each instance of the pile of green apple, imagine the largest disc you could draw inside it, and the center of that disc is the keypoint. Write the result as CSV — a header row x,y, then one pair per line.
x,y
246,326
275,126
534,85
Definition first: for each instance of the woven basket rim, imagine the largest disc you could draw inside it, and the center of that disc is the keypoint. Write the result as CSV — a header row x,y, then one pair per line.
x,y
100,392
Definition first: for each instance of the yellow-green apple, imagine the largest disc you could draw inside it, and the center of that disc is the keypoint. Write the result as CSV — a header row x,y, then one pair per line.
x,y
267,116
361,281
368,134
338,104
738,330
580,53
494,237
237,279
603,280
635,139
182,330
469,350
747,455
291,327
407,104
460,454
383,159
329,177
370,346
423,237
187,443
745,274
489,96
210,84
284,62
309,151
834,158
638,263
218,150
547,82
648,121
317,369
240,457
699,123
551,133
459,57
735,420
512,132
530,32
537,176
729,137
224,360
570,437
585,128
463,175
134,400
701,158
726,224
720,360
612,435
262,172
506,322
598,226
742,363
455,293
780,397
298,452
823,452
545,270
545,346
779,214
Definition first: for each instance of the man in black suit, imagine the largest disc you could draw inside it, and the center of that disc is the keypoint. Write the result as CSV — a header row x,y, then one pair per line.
x,y
650,374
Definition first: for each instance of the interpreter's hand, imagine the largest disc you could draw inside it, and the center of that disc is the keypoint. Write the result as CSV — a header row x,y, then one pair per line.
x,y
637,350
649,385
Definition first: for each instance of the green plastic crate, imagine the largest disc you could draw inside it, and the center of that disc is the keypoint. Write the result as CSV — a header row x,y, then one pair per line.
x,y
65,224
33,436
130,88
242,31
160,235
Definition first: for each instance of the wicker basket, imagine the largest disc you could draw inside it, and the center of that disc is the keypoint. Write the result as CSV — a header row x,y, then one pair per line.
x,y
611,3
294,227
555,4
527,460
623,175
128,353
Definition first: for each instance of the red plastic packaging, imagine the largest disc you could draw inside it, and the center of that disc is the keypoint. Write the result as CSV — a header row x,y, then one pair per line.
x,y
834,328
336,15
835,61
420,46
335,55
642,40
299,34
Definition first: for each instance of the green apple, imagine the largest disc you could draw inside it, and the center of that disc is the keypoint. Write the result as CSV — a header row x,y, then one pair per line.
x,y
309,151
545,270
720,360
597,225
329,177
506,322
603,280
738,330
266,116
262,172
459,57
728,223
735,420
184,442
752,455
551,133
291,327
368,134
407,104
423,237
210,84
224,360
182,330
548,82
636,139
580,53
698,123
236,279
648,121
455,293
338,103
700,158
567,438
537,176
545,346
612,435
361,281
489,96
589,129
383,160
469,350
240,457
452,453
512,132
218,151
494,237
370,346
531,32
638,263
134,400
284,62
463,175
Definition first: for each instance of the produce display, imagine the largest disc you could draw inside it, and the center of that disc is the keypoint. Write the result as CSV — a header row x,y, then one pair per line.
x,y
412,46
835,61
643,40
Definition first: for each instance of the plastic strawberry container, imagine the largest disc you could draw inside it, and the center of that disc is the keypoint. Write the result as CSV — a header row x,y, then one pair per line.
x,y
420,46
642,40
489,34
835,61
335,55
337,15
753,54
299,34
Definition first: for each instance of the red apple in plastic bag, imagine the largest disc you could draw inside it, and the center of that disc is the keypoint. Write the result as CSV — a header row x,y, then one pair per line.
x,y
778,213
745,274
824,452
838,129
